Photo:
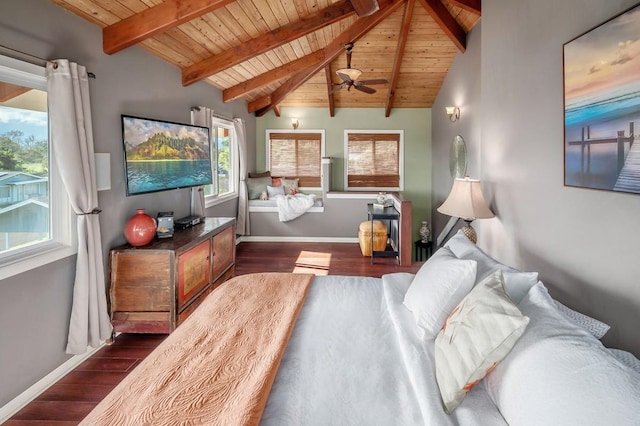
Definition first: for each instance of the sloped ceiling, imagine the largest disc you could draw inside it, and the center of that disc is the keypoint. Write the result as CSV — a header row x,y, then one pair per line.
x,y
284,53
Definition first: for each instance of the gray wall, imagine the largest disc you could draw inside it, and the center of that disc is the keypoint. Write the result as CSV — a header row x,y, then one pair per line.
x,y
461,88
583,242
35,306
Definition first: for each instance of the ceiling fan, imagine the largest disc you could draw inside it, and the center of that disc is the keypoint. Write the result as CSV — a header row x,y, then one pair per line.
x,y
349,77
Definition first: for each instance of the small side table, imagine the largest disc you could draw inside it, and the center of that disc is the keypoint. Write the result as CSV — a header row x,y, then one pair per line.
x,y
423,247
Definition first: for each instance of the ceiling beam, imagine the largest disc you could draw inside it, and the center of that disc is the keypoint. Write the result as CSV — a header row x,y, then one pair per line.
x,y
161,17
290,68
332,100
333,50
9,91
473,6
365,7
402,41
443,18
266,42
276,110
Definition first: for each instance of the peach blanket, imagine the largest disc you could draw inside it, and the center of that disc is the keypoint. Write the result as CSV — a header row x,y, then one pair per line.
x,y
217,368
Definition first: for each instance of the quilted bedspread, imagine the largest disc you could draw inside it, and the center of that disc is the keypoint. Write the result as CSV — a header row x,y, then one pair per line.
x,y
217,368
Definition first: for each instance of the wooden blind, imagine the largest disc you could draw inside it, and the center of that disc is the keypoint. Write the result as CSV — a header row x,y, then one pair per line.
x,y
373,160
296,155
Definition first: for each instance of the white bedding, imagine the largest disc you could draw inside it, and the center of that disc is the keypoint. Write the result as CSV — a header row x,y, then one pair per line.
x,y
271,205
293,206
356,357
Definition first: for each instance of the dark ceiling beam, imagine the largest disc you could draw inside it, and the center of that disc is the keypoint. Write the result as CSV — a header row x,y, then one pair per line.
x,y
246,87
276,110
332,100
266,42
161,17
443,18
365,7
397,62
473,6
333,50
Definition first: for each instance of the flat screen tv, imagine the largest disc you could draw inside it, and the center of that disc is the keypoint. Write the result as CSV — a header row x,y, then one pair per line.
x,y
162,155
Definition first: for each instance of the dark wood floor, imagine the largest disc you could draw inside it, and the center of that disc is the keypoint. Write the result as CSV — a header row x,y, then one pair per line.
x,y
74,396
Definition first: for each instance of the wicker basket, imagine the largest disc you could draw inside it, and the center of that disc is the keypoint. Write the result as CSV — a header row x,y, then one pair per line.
x,y
379,237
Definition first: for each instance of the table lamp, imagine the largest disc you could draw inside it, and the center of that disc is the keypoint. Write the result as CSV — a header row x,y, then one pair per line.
x,y
467,202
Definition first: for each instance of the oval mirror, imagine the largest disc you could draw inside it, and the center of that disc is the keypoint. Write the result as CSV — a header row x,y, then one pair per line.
x,y
458,158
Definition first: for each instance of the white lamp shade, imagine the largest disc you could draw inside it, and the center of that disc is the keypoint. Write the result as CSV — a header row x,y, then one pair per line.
x,y
353,73
466,201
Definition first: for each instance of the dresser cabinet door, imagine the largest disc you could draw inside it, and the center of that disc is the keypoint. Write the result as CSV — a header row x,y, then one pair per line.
x,y
223,251
194,269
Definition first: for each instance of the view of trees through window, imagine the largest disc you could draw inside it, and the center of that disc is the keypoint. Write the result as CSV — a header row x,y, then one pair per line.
x,y
221,151
24,167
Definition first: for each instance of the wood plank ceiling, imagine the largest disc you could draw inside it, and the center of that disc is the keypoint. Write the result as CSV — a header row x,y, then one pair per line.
x,y
285,53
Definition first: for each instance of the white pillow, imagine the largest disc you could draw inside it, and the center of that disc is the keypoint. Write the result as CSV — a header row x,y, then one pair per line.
x,y
460,245
439,285
559,374
275,190
592,325
518,284
478,334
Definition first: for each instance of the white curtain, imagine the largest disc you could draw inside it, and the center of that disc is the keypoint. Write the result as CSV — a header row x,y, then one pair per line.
x,y
200,116
243,225
72,148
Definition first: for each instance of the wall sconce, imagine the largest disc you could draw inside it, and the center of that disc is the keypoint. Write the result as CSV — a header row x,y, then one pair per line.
x,y
295,123
453,112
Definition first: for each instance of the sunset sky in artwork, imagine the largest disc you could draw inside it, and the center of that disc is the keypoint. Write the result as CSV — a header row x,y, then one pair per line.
x,y
603,60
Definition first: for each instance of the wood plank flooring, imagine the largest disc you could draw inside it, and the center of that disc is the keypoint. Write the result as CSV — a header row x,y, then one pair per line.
x,y
74,396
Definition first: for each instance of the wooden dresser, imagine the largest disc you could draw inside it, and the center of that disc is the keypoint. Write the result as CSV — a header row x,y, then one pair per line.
x,y
154,288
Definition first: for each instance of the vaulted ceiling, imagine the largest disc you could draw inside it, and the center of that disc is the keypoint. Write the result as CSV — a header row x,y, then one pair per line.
x,y
285,53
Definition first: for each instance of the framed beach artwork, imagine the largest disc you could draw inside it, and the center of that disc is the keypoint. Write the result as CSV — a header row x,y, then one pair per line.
x,y
602,106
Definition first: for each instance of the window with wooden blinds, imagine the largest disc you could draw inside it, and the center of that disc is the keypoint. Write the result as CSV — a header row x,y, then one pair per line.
x,y
296,155
374,160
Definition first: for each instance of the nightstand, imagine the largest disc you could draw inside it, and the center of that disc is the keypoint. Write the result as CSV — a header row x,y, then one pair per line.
x,y
423,247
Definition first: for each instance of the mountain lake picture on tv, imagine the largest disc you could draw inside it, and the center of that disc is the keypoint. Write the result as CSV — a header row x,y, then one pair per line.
x,y
161,155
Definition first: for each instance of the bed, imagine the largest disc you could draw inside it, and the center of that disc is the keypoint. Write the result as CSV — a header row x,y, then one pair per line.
x,y
289,349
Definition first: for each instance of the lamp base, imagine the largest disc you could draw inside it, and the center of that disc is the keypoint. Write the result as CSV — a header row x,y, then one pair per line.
x,y
469,232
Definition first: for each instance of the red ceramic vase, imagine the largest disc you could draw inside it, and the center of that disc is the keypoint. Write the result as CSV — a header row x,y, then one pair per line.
x,y
140,229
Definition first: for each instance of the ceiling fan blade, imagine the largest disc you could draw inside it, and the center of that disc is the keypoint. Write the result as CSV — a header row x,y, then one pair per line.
x,y
375,81
337,89
344,77
365,89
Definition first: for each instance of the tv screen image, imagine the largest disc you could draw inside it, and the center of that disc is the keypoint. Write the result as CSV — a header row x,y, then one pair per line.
x,y
162,155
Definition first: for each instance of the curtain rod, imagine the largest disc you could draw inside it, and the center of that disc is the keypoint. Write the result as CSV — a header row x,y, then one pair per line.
x,y
35,60
197,108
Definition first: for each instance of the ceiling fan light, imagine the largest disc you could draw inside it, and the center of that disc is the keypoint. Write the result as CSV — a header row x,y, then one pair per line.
x,y
353,73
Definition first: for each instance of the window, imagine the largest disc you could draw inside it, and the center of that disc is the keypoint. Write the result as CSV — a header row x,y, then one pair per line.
x,y
296,155
224,156
35,216
374,160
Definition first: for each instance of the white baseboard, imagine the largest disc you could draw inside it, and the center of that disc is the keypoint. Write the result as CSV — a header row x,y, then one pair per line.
x,y
275,239
20,401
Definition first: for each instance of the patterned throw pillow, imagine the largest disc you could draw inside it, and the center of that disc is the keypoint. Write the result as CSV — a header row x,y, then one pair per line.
x,y
476,336
290,186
